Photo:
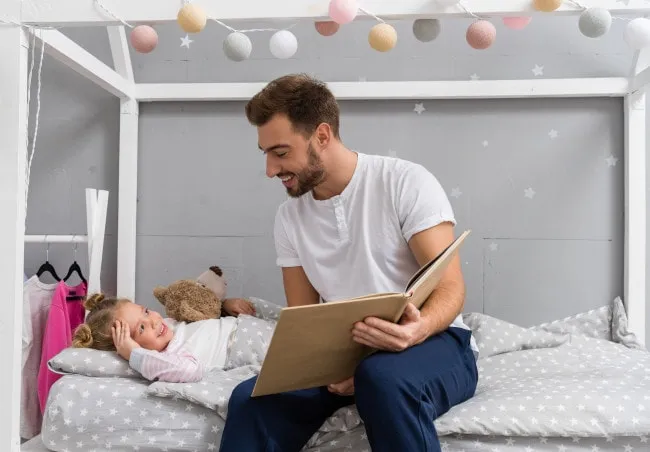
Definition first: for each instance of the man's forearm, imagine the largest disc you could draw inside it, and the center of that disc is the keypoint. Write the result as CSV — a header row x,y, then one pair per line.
x,y
443,306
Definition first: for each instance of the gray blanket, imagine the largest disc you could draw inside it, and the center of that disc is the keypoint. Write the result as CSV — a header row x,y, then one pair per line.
x,y
584,376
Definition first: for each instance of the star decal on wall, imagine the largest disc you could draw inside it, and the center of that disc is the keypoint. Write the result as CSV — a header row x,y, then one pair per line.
x,y
493,246
455,192
392,153
419,108
552,134
474,77
186,41
538,70
485,143
611,160
529,193
362,79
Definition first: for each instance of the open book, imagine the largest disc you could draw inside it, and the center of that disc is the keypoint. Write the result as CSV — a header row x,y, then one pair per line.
x,y
312,345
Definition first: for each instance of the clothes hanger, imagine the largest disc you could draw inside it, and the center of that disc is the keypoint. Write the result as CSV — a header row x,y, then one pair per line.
x,y
47,267
75,267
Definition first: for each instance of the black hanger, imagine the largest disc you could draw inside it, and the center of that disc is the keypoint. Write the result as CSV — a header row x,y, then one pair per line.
x,y
47,267
75,268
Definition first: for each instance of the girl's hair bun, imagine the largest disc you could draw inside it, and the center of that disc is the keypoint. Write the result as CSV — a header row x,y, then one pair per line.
x,y
83,337
93,300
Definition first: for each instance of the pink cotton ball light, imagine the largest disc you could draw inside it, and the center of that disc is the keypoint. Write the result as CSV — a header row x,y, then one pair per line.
x,y
144,38
516,23
343,11
327,28
481,34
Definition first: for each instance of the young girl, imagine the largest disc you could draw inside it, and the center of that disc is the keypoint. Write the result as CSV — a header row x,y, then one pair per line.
x,y
156,347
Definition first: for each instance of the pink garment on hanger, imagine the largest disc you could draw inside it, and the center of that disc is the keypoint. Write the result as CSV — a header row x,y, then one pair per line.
x,y
64,316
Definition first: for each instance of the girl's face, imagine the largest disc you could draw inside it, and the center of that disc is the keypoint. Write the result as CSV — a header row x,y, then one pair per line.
x,y
146,327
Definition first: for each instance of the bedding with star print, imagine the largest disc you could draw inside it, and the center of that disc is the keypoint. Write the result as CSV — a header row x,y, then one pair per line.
x,y
576,384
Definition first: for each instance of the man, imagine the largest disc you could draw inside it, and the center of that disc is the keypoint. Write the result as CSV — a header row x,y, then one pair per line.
x,y
356,224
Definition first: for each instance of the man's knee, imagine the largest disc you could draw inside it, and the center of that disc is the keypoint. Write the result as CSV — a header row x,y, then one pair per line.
x,y
377,379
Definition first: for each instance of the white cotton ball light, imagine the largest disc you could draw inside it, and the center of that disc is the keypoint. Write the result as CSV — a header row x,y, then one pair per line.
x,y
637,33
595,22
237,46
426,30
283,44
144,38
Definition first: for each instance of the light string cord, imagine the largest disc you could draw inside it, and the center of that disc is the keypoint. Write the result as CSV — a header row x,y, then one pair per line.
x,y
234,30
36,120
110,13
32,48
584,8
468,12
368,13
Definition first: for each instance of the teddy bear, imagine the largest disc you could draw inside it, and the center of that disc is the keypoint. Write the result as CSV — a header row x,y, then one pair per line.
x,y
188,300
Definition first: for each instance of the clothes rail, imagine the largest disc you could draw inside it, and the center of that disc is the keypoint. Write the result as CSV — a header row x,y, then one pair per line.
x,y
47,238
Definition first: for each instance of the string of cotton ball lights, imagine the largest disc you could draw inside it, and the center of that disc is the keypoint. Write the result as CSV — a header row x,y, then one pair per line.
x,y
143,38
595,22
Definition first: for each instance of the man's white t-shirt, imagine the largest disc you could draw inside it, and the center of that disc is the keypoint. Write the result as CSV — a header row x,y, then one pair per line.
x,y
356,243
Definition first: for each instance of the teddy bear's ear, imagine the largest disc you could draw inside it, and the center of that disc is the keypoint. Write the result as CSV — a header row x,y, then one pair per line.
x,y
216,270
159,292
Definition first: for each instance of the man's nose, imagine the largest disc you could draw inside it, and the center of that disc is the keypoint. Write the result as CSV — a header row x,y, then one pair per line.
x,y
272,167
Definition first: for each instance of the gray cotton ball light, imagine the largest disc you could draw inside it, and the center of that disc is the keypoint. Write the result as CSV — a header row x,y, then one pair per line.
x,y
595,22
426,30
237,46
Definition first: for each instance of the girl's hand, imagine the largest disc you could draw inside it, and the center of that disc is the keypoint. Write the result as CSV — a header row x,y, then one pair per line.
x,y
236,306
122,339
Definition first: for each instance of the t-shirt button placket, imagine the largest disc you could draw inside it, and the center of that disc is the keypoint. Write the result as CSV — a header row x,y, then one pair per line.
x,y
340,220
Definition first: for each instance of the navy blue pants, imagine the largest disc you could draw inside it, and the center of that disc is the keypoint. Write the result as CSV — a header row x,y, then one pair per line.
x,y
398,396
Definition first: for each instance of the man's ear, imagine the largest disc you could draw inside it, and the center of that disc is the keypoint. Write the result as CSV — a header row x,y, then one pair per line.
x,y
323,135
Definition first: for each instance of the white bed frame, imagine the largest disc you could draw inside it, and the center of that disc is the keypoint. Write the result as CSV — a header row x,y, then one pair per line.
x,y
49,14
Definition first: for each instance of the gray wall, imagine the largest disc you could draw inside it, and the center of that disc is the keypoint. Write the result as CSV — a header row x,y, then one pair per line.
x,y
204,199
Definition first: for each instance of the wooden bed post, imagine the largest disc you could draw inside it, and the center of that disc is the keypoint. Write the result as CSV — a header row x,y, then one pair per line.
x,y
13,154
635,201
128,169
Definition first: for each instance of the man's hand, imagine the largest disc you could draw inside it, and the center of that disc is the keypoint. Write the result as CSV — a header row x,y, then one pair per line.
x,y
236,306
394,337
122,339
344,388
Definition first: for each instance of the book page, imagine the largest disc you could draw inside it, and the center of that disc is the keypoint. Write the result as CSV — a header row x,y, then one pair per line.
x,y
427,278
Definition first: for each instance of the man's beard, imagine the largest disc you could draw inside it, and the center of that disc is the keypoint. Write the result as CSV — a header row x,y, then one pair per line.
x,y
310,177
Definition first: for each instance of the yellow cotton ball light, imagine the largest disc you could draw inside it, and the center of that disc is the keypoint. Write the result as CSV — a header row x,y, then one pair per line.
x,y
547,5
382,37
192,18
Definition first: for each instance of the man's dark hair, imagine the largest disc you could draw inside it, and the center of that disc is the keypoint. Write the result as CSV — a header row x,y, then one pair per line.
x,y
304,100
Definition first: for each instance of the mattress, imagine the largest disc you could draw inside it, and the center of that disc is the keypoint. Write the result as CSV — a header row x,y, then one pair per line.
x,y
574,385
109,414
104,414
